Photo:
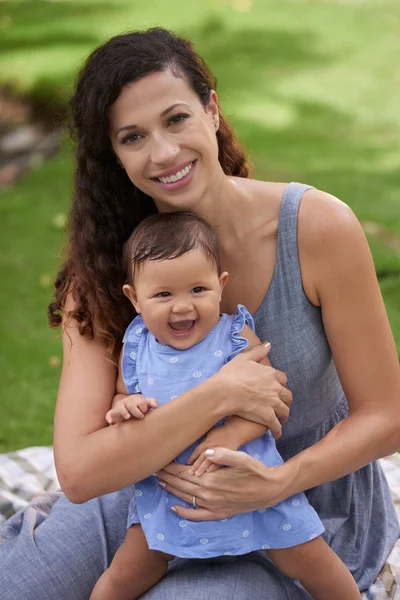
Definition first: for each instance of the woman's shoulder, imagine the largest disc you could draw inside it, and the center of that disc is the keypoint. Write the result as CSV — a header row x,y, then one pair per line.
x,y
324,221
328,234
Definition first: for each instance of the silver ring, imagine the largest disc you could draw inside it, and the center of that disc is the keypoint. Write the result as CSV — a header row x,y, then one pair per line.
x,y
194,502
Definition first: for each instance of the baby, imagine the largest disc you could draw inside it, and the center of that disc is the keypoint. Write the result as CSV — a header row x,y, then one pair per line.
x,y
179,339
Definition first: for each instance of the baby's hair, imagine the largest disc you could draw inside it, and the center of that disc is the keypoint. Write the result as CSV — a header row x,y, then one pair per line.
x,y
169,235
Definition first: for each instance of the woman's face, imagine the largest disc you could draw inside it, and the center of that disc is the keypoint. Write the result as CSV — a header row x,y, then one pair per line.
x,y
165,139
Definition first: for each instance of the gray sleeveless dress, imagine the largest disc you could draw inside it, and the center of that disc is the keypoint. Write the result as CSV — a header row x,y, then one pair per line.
x,y
357,511
61,554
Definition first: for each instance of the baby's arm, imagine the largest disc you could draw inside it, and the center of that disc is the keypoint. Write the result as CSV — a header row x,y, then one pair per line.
x,y
234,432
124,405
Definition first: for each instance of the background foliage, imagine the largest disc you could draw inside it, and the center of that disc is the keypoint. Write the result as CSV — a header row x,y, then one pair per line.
x,y
312,87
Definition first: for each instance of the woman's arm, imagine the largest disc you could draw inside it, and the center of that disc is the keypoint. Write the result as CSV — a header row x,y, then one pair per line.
x,y
235,431
93,458
242,430
338,274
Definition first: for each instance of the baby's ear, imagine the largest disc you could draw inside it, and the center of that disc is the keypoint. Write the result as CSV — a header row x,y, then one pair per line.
x,y
130,293
223,278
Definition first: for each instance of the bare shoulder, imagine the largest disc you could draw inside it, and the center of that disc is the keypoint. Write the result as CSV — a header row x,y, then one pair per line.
x,y
330,241
323,218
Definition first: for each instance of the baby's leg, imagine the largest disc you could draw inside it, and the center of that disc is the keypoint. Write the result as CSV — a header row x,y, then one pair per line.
x,y
133,571
319,570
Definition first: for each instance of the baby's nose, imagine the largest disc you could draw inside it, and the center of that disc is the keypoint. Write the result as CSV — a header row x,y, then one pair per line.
x,y
183,306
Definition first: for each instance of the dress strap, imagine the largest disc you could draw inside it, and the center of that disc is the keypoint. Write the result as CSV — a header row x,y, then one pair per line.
x,y
287,260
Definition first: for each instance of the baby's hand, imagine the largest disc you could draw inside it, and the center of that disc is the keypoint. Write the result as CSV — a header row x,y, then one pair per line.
x,y
134,405
220,437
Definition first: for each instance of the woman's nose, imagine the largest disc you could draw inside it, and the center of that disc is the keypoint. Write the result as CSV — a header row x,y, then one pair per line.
x,y
163,150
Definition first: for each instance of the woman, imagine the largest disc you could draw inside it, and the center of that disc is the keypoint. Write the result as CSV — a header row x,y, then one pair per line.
x,y
151,137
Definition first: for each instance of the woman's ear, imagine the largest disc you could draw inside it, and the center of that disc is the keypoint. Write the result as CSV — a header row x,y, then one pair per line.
x,y
212,108
130,293
223,278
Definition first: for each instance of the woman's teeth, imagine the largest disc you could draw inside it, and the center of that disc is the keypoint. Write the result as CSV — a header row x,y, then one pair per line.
x,y
177,175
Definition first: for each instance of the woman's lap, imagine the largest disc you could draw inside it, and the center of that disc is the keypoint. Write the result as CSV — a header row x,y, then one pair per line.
x,y
248,577
61,556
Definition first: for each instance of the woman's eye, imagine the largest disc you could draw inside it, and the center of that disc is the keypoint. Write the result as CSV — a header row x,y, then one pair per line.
x,y
178,118
198,289
163,295
131,138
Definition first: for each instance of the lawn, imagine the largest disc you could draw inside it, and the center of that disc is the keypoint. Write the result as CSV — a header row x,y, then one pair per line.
x,y
311,86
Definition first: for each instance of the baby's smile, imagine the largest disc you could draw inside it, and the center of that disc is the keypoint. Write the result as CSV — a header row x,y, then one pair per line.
x,y
182,328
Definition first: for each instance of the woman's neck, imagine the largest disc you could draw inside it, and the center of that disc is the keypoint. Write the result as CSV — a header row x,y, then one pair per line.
x,y
228,210
226,205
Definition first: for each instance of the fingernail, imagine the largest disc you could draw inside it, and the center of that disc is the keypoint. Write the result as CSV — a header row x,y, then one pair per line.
x,y
173,509
267,345
209,452
162,483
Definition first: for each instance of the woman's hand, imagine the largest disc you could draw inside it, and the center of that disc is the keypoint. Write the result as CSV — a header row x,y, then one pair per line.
x,y
244,486
257,392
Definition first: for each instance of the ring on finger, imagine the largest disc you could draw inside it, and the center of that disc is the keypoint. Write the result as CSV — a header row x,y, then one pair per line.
x,y
194,502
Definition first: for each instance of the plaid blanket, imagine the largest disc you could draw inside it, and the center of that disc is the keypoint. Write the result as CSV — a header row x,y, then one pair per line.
x,y
26,472
22,475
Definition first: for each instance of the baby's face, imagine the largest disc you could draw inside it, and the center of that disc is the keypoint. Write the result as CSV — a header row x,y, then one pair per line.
x,y
179,298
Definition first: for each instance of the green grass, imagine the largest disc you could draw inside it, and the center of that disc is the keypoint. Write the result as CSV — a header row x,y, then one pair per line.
x,y
310,86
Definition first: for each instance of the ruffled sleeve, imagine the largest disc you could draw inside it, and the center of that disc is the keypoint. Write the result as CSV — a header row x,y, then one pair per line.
x,y
239,343
133,336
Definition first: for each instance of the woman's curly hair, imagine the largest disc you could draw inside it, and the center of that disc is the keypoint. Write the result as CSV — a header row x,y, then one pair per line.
x,y
106,205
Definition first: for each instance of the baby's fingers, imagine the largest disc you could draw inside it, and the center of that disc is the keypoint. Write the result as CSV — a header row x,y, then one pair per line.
x,y
212,467
115,416
197,464
195,454
152,402
204,466
137,411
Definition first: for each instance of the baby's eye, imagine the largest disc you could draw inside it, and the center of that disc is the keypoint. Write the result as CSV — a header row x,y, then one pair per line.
x,y
178,118
131,138
163,294
198,289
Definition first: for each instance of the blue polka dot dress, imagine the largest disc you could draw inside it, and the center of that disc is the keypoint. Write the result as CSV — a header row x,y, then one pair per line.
x,y
163,372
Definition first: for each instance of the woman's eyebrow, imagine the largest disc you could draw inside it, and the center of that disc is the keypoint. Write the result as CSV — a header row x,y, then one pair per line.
x,y
164,112
167,110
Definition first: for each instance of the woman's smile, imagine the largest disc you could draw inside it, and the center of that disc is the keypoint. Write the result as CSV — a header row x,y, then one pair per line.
x,y
176,179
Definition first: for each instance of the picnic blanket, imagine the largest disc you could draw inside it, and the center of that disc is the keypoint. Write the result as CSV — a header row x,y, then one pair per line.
x,y
25,473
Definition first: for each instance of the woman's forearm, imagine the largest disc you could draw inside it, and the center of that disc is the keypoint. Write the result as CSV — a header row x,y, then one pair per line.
x,y
353,443
113,457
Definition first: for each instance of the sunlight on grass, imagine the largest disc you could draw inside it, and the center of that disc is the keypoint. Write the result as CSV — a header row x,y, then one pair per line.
x,y
311,87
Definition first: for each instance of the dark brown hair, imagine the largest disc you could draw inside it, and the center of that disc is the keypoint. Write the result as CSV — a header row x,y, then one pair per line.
x,y
169,235
106,205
